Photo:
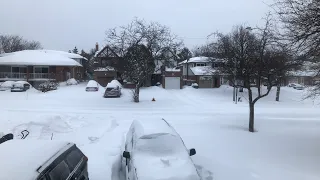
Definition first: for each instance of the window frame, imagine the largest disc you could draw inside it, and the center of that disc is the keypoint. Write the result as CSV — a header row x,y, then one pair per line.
x,y
42,67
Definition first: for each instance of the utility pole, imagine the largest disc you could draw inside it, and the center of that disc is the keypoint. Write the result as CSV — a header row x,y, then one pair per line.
x,y
234,82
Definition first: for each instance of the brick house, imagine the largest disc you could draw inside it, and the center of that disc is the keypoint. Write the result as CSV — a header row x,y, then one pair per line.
x,y
202,70
37,66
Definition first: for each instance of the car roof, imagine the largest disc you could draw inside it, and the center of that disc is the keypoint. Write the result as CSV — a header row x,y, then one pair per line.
x,y
151,127
20,159
92,83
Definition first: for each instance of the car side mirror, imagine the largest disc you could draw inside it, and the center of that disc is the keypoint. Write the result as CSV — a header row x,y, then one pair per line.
x,y
192,152
126,154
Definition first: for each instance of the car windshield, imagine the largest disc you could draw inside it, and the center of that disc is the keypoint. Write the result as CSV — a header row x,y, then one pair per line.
x,y
159,144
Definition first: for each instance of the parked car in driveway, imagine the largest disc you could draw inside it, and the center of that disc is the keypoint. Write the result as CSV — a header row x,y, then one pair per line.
x,y
154,150
7,85
92,86
296,86
42,160
20,86
112,90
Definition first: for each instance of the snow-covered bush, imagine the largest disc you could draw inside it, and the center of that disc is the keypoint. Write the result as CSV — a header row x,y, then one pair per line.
x,y
195,85
72,81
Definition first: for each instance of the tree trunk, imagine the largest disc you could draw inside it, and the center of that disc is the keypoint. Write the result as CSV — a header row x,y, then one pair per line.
x,y
278,92
251,118
251,108
241,89
136,93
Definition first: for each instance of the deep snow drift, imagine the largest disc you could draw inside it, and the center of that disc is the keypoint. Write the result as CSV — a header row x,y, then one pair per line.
x,y
285,147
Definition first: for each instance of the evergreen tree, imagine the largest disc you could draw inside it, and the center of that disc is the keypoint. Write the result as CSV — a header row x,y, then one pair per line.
x,y
75,50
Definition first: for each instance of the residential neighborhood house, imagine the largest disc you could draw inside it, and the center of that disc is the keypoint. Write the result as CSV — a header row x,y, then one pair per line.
x,y
37,66
202,70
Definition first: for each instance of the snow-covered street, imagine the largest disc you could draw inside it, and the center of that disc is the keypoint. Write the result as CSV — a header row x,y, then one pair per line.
x,y
285,147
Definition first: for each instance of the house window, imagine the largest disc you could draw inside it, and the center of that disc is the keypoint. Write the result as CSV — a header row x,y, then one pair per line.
x,y
41,69
19,69
200,64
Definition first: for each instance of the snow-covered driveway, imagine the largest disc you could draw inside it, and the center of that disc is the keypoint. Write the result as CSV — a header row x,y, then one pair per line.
x,y
284,148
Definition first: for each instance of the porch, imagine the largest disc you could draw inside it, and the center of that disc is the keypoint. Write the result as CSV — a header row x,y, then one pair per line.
x,y
17,76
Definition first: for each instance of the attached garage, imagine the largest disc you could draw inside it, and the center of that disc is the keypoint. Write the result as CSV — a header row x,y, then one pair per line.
x,y
205,82
172,82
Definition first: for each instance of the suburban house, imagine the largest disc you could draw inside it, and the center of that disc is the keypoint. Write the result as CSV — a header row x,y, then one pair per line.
x,y
37,66
307,75
202,70
108,65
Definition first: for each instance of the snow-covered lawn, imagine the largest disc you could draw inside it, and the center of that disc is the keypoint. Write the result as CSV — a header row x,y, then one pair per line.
x,y
285,147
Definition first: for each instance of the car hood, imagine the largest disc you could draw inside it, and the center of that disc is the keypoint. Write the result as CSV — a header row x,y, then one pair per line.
x,y
164,168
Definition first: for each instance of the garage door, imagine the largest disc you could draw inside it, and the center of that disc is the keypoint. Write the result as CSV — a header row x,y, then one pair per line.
x,y
205,82
172,83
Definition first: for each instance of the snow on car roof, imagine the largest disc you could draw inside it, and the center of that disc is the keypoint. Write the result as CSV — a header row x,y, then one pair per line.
x,y
145,128
92,83
32,57
7,84
112,85
20,159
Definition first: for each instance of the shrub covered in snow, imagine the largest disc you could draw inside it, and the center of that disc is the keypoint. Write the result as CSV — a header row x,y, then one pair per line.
x,y
72,81
195,85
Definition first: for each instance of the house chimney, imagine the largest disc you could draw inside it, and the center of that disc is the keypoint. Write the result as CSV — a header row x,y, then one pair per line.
x,y
97,47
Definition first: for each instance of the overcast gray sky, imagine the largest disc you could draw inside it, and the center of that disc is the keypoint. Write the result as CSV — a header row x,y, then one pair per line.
x,y
63,24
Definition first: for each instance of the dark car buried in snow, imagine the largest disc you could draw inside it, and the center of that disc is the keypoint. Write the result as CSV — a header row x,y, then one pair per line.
x,y
112,90
20,87
42,160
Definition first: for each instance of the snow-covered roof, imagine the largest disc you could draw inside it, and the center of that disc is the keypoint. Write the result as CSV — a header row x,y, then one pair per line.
x,y
108,68
20,159
200,59
306,73
173,69
63,53
203,70
40,58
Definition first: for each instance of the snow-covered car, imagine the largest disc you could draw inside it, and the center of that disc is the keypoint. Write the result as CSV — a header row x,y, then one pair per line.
x,y
92,86
154,150
7,85
42,160
112,90
20,86
296,86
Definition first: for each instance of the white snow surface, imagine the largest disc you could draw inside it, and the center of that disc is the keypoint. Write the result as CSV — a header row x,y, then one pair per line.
x,y
285,146
116,82
203,70
37,58
63,53
7,84
26,156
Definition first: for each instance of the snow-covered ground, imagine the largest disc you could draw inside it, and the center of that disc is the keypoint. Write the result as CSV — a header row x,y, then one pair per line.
x,y
286,146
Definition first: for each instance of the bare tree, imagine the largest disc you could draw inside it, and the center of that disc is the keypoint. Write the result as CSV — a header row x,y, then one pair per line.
x,y
300,19
13,43
250,58
156,38
139,65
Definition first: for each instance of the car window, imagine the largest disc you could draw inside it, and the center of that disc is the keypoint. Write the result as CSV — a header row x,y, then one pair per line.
x,y
60,172
73,158
109,89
